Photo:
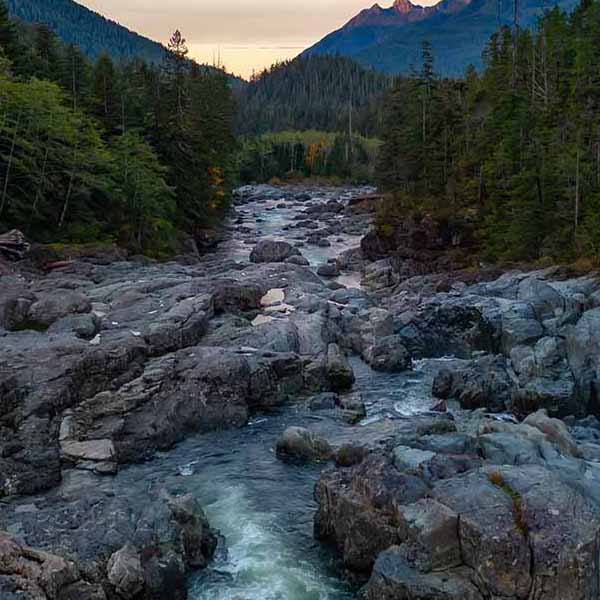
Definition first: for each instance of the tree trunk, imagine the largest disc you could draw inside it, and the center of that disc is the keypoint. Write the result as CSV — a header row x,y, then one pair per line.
x,y
577,191
9,165
66,203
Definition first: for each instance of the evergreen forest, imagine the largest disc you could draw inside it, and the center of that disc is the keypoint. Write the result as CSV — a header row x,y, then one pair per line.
x,y
510,156
94,150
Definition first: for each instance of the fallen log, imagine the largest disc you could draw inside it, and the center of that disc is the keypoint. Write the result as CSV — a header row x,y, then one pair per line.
x,y
13,245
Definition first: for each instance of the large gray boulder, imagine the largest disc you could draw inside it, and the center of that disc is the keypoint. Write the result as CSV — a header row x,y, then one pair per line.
x,y
394,578
482,383
388,354
583,347
448,525
50,307
271,251
139,543
125,572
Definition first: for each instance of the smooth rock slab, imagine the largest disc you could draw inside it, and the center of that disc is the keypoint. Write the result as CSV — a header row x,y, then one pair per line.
x,y
395,579
94,450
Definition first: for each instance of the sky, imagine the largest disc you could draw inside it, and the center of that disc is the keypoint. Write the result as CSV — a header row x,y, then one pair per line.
x,y
248,35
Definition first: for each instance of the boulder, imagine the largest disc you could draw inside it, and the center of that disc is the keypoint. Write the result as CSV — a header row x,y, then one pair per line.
x,y
338,370
297,260
353,406
388,354
483,383
125,572
271,251
328,270
350,455
324,401
394,578
298,443
50,307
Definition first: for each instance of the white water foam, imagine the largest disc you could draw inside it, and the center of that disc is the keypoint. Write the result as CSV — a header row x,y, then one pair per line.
x,y
259,564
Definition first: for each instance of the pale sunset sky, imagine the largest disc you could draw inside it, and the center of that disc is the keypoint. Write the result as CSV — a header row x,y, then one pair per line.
x,y
250,34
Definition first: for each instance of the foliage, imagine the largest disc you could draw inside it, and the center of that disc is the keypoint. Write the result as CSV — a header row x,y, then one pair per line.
x,y
96,151
514,151
312,153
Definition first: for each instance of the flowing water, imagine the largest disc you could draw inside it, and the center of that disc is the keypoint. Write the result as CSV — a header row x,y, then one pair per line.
x,y
263,507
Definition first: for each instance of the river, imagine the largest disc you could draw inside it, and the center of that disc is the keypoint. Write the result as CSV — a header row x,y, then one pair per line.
x,y
264,507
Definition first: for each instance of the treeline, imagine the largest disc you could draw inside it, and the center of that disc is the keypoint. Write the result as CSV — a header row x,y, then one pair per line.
x,y
89,31
130,152
311,154
326,93
512,155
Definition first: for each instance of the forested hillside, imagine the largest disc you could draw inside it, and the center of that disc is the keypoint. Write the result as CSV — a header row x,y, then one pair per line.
x,y
128,153
91,32
328,93
510,157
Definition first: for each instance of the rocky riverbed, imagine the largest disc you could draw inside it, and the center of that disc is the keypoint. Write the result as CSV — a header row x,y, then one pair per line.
x,y
159,419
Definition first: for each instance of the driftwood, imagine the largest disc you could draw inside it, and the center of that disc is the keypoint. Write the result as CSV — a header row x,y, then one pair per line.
x,y
13,245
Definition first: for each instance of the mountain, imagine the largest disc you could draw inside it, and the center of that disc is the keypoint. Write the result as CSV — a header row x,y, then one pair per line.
x,y
85,28
390,39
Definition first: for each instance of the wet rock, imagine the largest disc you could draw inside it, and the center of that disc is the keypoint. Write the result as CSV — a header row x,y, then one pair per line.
x,y
338,371
125,572
583,346
270,251
325,401
483,383
545,380
328,270
350,455
353,406
432,540
355,506
297,260
520,326
301,444
388,354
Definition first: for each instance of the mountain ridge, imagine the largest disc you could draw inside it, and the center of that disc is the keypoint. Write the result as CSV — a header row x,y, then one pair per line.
x,y
92,32
390,39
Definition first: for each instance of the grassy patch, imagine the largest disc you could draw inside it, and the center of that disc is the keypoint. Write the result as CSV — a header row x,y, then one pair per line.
x,y
498,480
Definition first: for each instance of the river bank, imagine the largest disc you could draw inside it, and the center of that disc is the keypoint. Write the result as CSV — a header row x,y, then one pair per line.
x,y
142,404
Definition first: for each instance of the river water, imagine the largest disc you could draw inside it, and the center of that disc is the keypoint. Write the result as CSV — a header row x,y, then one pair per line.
x,y
263,507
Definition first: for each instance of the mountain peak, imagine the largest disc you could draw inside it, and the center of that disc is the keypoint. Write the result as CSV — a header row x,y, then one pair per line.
x,y
403,6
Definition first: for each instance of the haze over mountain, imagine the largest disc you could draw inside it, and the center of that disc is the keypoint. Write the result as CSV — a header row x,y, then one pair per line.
x,y
390,38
